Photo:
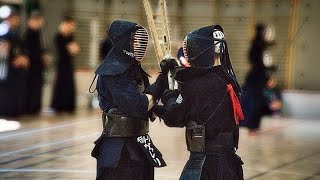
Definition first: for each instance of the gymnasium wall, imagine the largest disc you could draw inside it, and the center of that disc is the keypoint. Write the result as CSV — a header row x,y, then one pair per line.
x,y
295,23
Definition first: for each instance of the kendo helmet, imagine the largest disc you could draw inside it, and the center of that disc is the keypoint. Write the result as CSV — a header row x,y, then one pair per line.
x,y
201,45
198,47
129,41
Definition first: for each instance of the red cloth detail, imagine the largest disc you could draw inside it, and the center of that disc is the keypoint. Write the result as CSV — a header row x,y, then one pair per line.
x,y
237,110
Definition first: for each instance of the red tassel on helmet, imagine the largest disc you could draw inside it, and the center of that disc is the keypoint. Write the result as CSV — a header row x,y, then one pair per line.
x,y
237,110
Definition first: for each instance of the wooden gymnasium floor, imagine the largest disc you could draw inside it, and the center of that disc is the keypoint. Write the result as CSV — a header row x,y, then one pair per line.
x,y
59,146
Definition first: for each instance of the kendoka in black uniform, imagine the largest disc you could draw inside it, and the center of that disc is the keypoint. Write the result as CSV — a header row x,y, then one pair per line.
x,y
13,69
32,43
256,80
125,150
207,105
64,90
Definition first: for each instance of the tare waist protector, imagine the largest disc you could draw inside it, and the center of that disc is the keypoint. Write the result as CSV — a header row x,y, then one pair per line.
x,y
118,124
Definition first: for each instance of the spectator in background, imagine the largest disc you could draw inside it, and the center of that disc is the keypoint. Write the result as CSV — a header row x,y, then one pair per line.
x,y
14,65
32,42
273,98
64,91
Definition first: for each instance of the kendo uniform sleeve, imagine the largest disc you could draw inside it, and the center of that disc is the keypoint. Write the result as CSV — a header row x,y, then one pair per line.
x,y
126,97
157,88
176,108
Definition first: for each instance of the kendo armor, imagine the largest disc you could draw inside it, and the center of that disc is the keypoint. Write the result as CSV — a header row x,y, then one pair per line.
x,y
129,45
200,48
118,124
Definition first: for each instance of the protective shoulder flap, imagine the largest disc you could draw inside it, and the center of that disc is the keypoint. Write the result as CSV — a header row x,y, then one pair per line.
x,y
113,64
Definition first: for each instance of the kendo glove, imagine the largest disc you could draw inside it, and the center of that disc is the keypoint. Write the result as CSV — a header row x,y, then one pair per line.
x,y
168,64
159,110
157,88
169,95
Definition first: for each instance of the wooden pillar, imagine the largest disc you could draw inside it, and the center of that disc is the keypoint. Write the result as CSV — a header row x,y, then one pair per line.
x,y
252,18
214,11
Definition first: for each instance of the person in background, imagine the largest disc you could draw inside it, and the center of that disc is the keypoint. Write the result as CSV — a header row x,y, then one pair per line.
x,y
32,42
64,92
256,79
273,98
14,68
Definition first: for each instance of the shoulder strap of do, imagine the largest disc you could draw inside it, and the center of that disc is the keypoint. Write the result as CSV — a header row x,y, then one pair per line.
x,y
100,94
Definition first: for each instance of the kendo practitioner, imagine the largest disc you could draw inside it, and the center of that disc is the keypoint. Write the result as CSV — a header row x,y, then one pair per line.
x,y
13,68
207,105
125,151
256,80
64,92
32,42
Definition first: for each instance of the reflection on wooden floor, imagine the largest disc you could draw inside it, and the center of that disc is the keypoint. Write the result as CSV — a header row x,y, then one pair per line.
x,y
59,147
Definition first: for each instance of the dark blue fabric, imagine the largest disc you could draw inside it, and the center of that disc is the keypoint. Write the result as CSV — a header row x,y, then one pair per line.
x,y
118,59
110,152
119,91
193,168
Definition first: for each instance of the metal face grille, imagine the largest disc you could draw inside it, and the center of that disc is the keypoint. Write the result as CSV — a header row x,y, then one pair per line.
x,y
140,43
184,47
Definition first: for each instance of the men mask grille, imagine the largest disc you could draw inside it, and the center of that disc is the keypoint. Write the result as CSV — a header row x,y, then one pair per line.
x,y
140,43
184,48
